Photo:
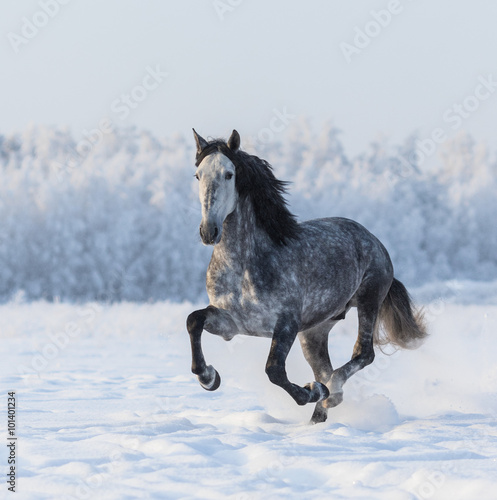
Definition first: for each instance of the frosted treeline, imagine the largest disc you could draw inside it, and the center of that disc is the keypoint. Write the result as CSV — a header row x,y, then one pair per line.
x,y
115,216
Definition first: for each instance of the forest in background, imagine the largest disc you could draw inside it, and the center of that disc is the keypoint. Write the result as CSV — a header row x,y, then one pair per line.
x,y
114,216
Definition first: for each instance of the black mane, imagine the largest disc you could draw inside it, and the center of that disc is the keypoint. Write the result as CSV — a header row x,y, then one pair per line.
x,y
255,180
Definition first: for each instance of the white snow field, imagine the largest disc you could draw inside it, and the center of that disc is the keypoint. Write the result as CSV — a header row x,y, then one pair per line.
x,y
107,409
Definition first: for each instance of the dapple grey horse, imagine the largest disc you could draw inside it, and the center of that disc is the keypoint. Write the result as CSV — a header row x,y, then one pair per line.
x,y
270,276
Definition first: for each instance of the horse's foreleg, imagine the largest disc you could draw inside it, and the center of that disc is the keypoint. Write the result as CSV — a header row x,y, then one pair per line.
x,y
207,376
218,322
284,336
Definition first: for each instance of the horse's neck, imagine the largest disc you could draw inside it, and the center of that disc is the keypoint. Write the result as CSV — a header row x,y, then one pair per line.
x,y
241,235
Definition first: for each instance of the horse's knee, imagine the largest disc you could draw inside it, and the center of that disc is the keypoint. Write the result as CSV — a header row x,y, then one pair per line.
x,y
195,322
276,374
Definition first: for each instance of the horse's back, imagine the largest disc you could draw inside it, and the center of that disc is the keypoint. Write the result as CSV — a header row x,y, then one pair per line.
x,y
338,237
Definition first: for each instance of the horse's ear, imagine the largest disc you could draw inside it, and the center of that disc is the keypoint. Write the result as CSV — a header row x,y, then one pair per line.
x,y
200,141
234,141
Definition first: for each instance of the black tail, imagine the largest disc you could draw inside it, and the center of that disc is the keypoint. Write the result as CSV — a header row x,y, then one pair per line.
x,y
403,325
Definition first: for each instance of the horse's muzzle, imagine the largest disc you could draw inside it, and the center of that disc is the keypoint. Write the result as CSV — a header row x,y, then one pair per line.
x,y
210,234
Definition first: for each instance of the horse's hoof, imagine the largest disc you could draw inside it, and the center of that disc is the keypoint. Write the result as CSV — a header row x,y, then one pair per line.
x,y
318,392
209,379
319,416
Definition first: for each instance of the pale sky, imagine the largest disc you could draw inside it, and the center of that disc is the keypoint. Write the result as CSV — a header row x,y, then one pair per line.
x,y
237,63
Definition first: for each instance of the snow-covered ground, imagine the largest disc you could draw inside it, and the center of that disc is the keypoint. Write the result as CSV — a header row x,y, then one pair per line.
x,y
108,409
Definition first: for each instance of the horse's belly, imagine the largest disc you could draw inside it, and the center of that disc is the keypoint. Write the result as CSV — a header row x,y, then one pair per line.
x,y
328,301
324,308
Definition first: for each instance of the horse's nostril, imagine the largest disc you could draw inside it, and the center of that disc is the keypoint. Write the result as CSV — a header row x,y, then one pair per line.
x,y
216,232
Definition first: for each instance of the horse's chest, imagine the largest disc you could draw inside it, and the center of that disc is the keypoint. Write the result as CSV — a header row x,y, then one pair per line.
x,y
248,299
234,286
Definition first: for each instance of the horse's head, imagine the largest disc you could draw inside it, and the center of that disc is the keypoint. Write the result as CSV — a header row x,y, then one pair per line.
x,y
216,175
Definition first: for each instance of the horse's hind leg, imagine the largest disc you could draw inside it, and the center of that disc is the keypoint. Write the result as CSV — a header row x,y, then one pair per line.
x,y
214,321
314,344
368,306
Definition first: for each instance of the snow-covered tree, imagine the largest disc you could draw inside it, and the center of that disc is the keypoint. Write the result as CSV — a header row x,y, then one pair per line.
x,y
117,219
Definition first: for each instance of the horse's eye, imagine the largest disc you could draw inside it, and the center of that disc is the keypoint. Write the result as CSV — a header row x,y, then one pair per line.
x,y
196,177
228,176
